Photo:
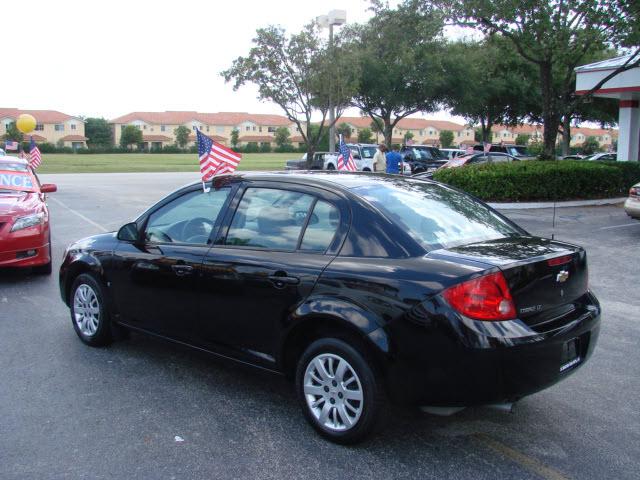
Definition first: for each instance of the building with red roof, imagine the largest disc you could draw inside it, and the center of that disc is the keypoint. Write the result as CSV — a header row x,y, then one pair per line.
x,y
52,127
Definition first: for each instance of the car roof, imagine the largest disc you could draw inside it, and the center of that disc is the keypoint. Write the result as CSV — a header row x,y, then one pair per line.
x,y
9,159
338,180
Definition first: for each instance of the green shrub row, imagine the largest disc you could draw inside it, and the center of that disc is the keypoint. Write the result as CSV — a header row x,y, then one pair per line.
x,y
543,181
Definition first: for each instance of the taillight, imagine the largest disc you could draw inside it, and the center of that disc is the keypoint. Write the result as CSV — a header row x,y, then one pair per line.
x,y
634,192
554,262
484,298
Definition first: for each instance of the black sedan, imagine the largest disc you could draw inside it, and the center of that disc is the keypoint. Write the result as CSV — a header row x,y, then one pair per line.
x,y
359,287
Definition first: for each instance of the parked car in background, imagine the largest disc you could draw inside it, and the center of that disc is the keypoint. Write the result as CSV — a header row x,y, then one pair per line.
x,y
452,152
321,161
632,204
480,158
356,287
362,156
575,156
422,158
602,157
25,236
519,151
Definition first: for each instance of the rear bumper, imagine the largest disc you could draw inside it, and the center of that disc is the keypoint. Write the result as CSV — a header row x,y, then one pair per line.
x,y
462,366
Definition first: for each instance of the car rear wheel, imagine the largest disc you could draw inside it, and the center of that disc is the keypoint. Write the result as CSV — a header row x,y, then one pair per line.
x,y
89,311
338,390
331,166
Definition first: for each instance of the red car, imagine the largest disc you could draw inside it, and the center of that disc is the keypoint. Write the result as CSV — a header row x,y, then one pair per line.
x,y
25,238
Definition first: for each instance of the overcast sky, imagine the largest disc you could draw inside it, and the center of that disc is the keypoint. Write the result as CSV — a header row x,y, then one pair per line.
x,y
110,57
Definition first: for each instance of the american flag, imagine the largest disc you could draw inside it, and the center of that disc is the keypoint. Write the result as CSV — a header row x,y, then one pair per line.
x,y
469,150
345,153
35,157
11,145
215,158
487,147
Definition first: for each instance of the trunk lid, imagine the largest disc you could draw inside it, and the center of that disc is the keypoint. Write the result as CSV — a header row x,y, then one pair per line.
x,y
546,278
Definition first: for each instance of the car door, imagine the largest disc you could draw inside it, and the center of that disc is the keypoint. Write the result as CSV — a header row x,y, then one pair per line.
x,y
277,241
154,280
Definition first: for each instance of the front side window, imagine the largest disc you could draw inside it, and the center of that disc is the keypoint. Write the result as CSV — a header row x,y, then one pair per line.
x,y
269,218
187,219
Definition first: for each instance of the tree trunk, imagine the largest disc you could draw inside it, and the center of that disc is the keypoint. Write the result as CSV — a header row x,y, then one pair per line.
x,y
388,132
566,135
550,117
311,146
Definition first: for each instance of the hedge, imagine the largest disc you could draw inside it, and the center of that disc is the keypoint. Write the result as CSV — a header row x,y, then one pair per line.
x,y
543,181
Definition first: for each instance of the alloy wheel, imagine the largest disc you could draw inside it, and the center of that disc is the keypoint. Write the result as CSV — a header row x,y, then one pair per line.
x,y
333,392
86,310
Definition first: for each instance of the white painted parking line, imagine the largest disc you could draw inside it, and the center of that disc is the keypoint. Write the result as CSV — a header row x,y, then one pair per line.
x,y
619,226
88,220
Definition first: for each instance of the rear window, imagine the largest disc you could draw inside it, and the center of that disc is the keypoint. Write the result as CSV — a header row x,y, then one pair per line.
x,y
437,216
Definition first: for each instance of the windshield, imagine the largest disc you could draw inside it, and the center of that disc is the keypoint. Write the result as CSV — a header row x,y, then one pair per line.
x,y
11,181
437,216
13,167
368,152
517,151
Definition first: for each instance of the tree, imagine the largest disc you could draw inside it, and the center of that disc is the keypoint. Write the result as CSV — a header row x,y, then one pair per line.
x,y
522,139
365,135
555,37
345,130
446,138
407,137
235,138
377,127
283,139
182,136
13,133
131,135
98,132
490,83
590,146
300,74
397,55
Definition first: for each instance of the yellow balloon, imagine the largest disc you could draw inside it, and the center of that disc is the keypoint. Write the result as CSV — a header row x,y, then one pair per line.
x,y
26,123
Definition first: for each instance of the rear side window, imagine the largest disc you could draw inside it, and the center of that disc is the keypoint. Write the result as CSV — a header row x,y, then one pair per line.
x,y
321,228
269,218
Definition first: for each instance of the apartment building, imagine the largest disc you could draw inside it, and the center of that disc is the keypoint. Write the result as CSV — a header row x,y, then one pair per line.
x,y
51,126
158,128
508,135
424,131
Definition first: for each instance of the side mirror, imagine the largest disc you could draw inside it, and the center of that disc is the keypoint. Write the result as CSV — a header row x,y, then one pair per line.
x,y
48,188
128,232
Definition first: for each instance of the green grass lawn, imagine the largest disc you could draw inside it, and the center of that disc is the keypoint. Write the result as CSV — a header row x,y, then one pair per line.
x,y
151,162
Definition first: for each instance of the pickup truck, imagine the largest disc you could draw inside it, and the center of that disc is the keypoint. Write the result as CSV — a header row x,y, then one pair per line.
x,y
362,155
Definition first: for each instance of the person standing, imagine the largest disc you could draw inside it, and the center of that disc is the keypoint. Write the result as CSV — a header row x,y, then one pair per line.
x,y
379,159
394,159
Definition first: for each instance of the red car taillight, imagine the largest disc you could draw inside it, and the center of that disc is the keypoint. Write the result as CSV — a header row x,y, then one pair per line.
x,y
634,192
484,298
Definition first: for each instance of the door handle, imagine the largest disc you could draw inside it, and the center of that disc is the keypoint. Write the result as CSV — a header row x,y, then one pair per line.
x,y
182,270
281,281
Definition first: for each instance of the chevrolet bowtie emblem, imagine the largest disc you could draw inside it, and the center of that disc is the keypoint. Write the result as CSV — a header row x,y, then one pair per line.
x,y
562,276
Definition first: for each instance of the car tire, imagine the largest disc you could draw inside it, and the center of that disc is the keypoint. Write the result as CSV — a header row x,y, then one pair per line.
x,y
89,311
366,169
331,166
338,390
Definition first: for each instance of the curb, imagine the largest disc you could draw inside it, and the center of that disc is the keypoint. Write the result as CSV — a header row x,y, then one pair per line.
x,y
572,203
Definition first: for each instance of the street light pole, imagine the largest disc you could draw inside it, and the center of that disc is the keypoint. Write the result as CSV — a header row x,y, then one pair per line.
x,y
332,113
334,17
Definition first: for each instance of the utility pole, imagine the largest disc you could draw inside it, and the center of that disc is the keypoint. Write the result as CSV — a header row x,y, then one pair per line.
x,y
334,17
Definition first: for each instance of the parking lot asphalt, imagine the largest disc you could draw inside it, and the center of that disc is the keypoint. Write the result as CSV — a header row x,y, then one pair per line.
x,y
71,411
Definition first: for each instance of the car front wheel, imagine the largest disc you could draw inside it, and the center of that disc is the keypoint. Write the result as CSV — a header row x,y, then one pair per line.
x,y
338,390
89,312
